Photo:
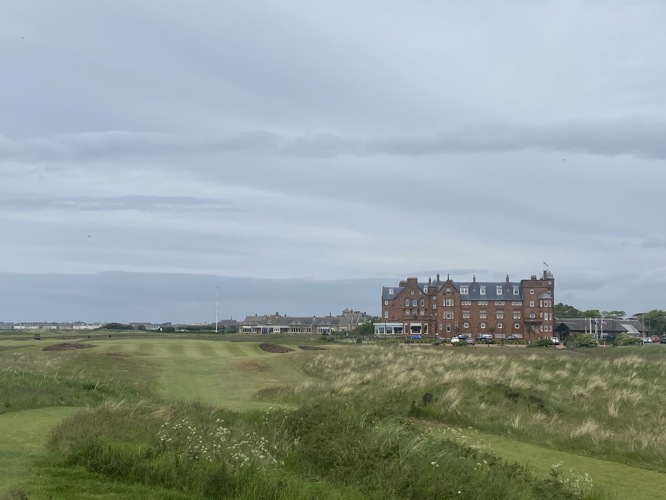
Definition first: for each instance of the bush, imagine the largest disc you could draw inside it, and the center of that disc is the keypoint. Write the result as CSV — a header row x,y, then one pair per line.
x,y
624,339
542,343
586,340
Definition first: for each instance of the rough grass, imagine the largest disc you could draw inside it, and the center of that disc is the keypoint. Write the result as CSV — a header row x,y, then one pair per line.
x,y
605,405
357,432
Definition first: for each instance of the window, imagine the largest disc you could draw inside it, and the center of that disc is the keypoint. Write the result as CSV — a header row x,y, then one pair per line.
x,y
414,312
434,306
406,302
466,314
390,291
448,327
531,291
483,302
448,291
482,289
386,302
531,303
386,314
411,292
422,312
498,290
465,325
425,289
449,302
448,315
414,302
516,314
500,325
499,303
499,315
532,315
516,290
516,303
516,326
483,314
422,303
482,325
466,303
464,290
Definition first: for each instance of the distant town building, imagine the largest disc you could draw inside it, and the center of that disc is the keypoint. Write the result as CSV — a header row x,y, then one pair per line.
x,y
324,325
446,308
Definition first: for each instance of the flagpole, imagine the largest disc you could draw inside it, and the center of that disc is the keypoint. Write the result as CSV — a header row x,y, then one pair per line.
x,y
217,305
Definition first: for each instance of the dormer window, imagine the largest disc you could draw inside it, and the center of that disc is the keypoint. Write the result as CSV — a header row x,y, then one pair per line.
x,y
464,290
482,290
390,291
425,289
498,289
516,290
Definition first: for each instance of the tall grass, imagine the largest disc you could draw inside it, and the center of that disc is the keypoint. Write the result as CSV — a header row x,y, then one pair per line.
x,y
334,448
603,404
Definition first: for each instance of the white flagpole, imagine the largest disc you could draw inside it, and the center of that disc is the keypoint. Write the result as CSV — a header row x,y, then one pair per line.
x,y
217,305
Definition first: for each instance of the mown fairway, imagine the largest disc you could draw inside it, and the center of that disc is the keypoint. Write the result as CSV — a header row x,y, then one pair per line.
x,y
225,374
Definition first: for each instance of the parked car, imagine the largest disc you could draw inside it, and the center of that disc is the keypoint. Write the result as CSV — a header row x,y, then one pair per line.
x,y
646,340
662,340
455,340
555,340
512,338
655,339
466,338
485,338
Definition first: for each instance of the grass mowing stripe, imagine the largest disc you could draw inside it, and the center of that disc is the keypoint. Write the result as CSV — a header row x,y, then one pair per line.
x,y
176,348
237,349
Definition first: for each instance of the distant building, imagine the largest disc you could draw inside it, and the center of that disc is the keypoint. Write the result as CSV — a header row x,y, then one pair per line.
x,y
599,327
324,325
446,308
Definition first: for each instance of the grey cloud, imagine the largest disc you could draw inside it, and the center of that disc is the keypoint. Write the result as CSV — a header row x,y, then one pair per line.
x,y
654,241
175,297
27,202
638,138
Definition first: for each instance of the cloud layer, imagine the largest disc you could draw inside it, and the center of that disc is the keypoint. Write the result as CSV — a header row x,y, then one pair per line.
x,y
327,148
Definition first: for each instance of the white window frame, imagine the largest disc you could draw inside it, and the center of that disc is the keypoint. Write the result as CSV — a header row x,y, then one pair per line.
x,y
464,290
499,290
482,290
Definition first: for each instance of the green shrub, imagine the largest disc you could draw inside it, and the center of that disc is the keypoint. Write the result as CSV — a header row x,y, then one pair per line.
x,y
624,339
586,340
542,343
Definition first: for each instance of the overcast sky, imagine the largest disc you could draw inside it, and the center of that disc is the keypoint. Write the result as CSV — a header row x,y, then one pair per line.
x,y
299,154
